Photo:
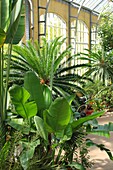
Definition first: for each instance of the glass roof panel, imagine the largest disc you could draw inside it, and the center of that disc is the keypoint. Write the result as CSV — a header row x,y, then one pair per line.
x,y
95,5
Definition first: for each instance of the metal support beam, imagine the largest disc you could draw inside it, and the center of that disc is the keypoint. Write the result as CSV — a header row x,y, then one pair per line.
x,y
29,19
45,8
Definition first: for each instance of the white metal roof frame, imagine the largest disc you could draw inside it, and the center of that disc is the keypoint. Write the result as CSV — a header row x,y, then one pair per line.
x,y
95,6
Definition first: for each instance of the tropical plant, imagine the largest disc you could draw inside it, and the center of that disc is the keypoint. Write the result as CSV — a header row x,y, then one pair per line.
x,y
48,129
101,65
9,19
106,95
105,31
48,62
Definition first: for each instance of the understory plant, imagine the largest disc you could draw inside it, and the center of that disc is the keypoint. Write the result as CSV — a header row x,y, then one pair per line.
x,y
49,136
99,95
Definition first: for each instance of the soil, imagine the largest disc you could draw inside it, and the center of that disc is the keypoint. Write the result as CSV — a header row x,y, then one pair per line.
x,y
100,158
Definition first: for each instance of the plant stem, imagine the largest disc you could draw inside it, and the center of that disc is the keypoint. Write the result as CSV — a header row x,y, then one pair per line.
x,y
2,113
0,12
1,85
7,76
59,154
52,74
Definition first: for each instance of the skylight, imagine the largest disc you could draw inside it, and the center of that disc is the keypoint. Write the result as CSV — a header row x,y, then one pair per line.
x,y
96,6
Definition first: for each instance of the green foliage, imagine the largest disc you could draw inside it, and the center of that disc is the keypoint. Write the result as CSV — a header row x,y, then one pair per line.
x,y
41,129
100,65
43,59
42,95
9,160
101,147
2,37
10,19
58,116
107,96
20,125
101,130
28,152
54,130
99,96
48,63
77,123
47,93
23,107
56,121
105,30
4,154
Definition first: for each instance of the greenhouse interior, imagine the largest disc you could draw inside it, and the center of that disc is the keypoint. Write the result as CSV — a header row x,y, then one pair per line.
x,y
56,84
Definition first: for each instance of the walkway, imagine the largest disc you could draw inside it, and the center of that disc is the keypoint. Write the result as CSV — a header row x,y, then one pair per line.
x,y
100,158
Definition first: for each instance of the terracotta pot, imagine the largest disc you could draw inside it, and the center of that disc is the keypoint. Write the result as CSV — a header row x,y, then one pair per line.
x,y
89,112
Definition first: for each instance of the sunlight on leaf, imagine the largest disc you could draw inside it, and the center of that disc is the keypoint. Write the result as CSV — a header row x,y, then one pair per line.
x,y
2,37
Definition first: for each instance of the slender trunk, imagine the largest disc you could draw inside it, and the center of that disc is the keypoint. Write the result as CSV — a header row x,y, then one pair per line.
x,y
1,101
2,124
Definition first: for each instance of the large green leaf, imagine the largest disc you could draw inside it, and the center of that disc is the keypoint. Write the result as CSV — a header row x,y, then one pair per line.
x,y
40,127
80,121
65,135
20,96
14,20
58,116
20,30
19,125
32,84
28,152
47,94
2,37
10,13
5,4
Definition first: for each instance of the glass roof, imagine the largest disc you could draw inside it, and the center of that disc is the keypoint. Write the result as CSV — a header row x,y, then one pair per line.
x,y
96,6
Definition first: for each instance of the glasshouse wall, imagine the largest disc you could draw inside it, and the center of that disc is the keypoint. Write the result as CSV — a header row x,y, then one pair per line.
x,y
66,12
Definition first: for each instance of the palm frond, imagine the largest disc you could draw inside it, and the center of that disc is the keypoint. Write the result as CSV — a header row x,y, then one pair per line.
x,y
61,70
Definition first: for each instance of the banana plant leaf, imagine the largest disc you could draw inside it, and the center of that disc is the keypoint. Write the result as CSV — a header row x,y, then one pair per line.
x,y
65,134
41,94
10,17
41,127
47,93
58,116
14,21
5,4
20,30
80,121
32,84
23,107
